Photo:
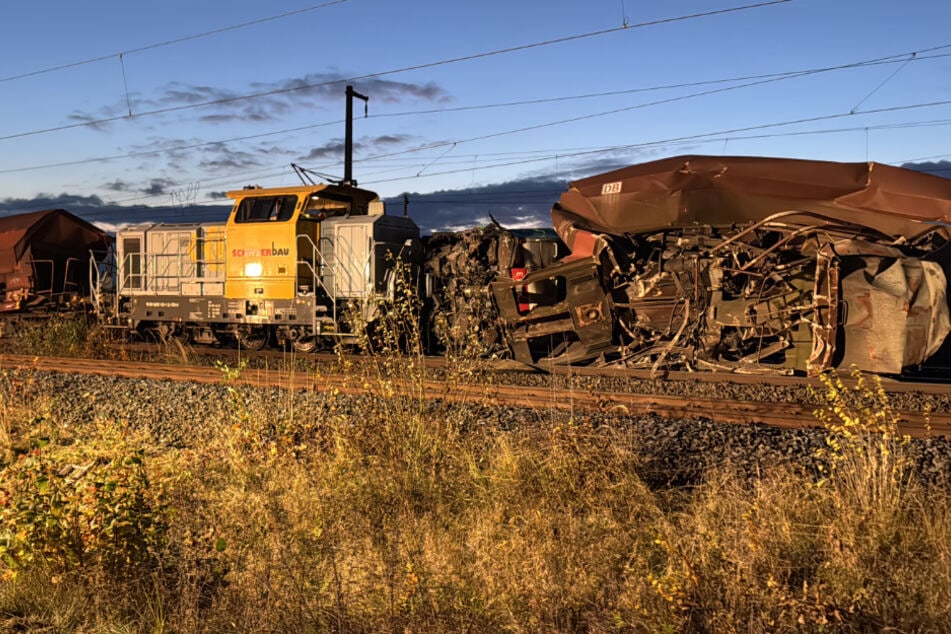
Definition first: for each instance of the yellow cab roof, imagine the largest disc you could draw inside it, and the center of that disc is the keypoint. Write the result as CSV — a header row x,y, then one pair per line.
x,y
359,195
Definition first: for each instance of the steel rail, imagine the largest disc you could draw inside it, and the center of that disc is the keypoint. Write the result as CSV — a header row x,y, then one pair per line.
x,y
926,386
915,424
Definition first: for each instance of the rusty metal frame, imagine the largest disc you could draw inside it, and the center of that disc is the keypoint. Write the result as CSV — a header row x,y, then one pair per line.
x,y
578,327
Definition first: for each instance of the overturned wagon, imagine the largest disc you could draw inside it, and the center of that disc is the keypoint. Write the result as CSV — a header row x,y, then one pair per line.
x,y
743,264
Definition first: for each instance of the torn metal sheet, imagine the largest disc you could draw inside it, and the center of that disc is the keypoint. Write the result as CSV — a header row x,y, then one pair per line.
x,y
686,191
895,309
746,265
572,321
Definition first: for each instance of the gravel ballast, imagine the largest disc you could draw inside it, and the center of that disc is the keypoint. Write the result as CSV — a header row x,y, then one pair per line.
x,y
672,451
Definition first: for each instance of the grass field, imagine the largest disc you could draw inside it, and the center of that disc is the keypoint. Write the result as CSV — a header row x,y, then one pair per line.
x,y
386,514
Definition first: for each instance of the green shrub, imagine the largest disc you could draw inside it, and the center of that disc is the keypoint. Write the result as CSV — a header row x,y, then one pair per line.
x,y
65,516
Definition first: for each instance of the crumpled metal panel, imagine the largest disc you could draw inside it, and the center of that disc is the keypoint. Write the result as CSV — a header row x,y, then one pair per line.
x,y
573,323
461,313
896,308
711,190
757,265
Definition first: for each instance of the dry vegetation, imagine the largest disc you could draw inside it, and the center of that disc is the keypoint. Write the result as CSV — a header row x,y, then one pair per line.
x,y
393,514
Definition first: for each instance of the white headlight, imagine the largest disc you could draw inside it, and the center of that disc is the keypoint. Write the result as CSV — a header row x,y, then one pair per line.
x,y
253,269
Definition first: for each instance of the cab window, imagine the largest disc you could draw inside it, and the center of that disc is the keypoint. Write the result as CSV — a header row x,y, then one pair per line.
x,y
266,209
320,206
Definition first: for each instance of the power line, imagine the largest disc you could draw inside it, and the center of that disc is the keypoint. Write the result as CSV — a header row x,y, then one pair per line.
x,y
620,110
761,79
564,154
177,148
178,40
465,58
898,58
694,137
575,154
567,154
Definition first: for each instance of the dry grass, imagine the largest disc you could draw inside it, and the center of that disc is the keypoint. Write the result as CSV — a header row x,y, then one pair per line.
x,y
405,514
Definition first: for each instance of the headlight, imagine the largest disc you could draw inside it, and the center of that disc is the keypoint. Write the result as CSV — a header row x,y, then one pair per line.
x,y
253,269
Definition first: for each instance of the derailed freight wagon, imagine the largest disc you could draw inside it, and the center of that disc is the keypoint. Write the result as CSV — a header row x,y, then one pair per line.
x,y
744,264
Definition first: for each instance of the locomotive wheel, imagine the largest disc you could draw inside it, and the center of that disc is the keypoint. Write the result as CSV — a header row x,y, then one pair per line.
x,y
168,332
251,338
182,335
304,344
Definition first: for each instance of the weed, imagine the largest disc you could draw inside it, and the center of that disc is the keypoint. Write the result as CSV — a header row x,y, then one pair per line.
x,y
397,511
66,516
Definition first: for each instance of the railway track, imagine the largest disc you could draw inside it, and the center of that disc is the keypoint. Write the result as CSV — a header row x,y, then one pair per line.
x,y
927,385
579,399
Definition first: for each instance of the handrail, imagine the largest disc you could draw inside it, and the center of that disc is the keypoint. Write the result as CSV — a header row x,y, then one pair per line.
x,y
341,270
168,269
36,276
94,281
66,282
316,262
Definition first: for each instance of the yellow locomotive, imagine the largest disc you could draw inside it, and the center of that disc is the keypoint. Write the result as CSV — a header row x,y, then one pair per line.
x,y
284,267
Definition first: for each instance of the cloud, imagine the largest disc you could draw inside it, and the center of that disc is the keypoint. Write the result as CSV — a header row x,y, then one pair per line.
x,y
937,168
331,150
334,148
93,122
233,160
273,100
157,187
49,201
330,86
515,204
117,186
179,94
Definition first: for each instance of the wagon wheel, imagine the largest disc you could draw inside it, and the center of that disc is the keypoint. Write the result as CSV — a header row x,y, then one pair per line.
x,y
170,332
182,335
304,344
250,337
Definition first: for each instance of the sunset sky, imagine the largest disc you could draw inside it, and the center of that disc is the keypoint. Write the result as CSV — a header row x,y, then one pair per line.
x,y
177,102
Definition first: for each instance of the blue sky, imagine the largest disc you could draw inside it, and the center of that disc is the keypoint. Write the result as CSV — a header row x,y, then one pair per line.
x,y
538,112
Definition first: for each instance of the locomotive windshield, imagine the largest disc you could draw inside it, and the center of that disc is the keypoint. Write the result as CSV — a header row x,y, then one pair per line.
x,y
266,209
326,205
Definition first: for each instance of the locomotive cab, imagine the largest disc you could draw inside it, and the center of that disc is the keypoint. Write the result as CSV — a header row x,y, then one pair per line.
x,y
298,257
274,238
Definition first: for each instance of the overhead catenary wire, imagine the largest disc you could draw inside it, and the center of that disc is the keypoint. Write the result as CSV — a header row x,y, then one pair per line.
x,y
563,154
654,103
695,137
758,80
575,154
178,40
885,81
404,69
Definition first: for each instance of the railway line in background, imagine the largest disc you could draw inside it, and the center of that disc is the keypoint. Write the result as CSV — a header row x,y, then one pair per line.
x,y
577,398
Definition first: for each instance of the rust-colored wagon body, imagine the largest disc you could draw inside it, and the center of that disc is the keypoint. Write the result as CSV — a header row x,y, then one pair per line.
x,y
45,259
745,264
